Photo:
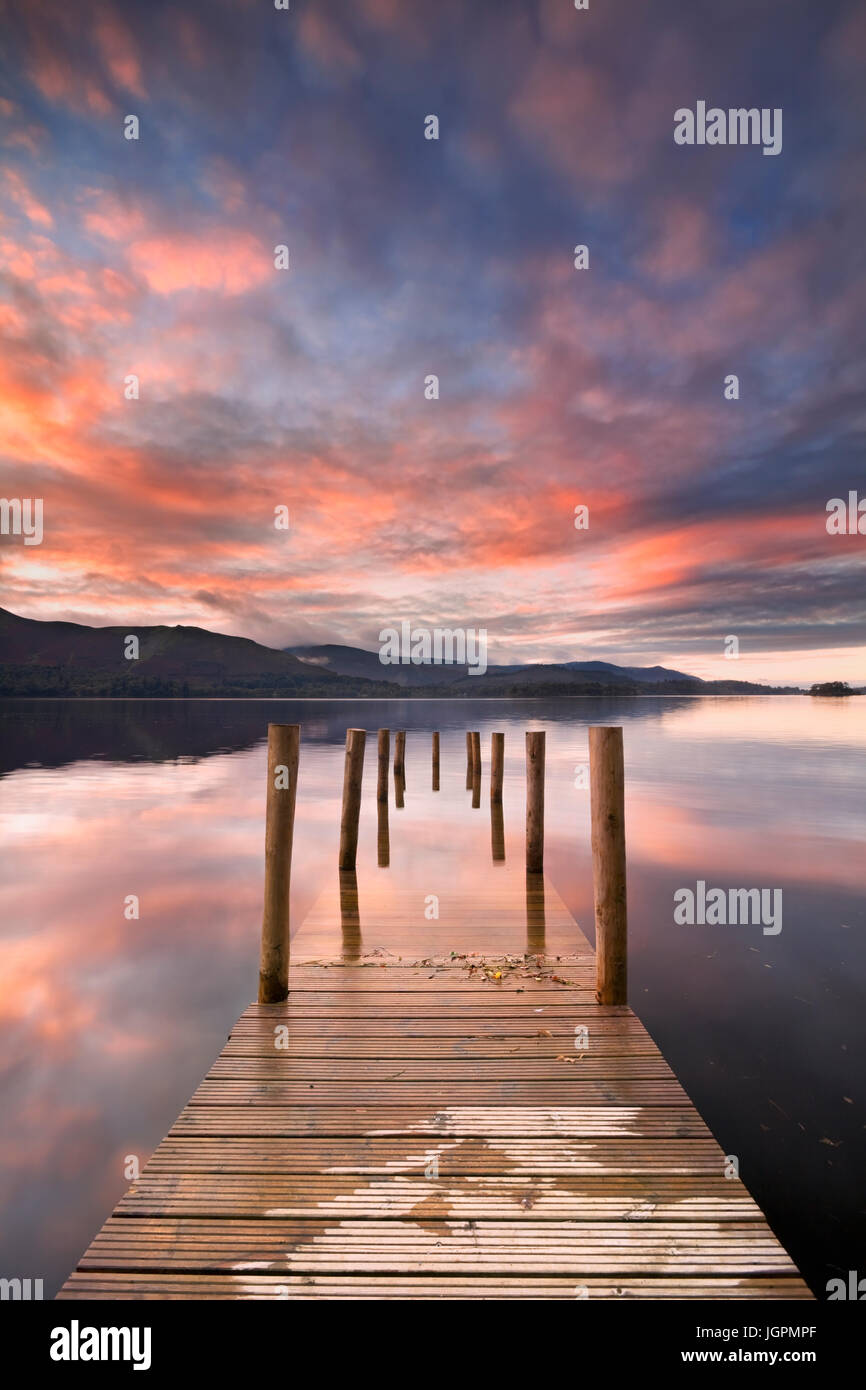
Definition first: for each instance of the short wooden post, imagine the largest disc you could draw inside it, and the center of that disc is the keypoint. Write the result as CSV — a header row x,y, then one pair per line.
x,y
400,752
283,748
383,838
350,915
435,760
607,798
497,832
476,754
535,919
384,753
535,801
497,765
399,789
468,760
352,776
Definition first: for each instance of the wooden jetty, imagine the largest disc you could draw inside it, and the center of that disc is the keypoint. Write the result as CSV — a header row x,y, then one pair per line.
x,y
442,1126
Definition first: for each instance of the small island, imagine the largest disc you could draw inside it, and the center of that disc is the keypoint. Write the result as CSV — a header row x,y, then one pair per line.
x,y
832,688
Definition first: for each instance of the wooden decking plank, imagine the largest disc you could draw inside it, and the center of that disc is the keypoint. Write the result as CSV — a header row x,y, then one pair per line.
x,y
570,1091
446,1246
446,982
526,1198
209,1286
529,1025
459,1120
451,1068
485,1013
518,1156
482,1049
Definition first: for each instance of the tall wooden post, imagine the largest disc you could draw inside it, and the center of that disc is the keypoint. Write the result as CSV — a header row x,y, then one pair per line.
x,y
435,760
283,748
352,776
497,765
476,754
400,753
607,798
384,753
535,801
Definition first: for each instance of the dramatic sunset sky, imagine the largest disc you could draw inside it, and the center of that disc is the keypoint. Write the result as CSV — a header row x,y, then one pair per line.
x,y
260,387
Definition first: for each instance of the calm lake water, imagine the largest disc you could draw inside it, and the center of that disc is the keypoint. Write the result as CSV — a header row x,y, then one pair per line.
x,y
108,1025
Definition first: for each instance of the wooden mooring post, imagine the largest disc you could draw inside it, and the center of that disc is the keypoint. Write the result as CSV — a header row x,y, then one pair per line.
x,y
536,925
383,838
497,766
535,740
606,783
350,915
283,750
468,760
497,832
400,753
352,778
436,760
384,754
476,754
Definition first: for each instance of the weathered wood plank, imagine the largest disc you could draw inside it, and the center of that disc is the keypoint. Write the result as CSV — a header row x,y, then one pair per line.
x,y
531,1025
515,1155
406,1003
571,1091
209,1286
534,1198
286,1068
455,1120
574,1248
536,1046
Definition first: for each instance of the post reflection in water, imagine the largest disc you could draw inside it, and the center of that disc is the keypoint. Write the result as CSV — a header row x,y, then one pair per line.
x,y
383,839
350,914
497,832
534,913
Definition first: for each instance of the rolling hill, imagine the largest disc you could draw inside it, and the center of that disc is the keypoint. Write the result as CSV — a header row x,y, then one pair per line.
x,y
59,658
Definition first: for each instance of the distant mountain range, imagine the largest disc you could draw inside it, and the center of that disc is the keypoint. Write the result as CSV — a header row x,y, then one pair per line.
x,y
70,659
355,661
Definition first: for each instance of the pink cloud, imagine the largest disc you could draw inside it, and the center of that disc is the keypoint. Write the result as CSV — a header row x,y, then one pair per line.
x,y
323,41
229,263
26,200
684,242
557,107
59,81
118,52
111,217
